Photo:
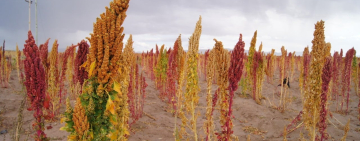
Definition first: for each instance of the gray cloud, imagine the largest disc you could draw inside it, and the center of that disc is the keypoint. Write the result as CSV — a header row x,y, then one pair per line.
x,y
289,23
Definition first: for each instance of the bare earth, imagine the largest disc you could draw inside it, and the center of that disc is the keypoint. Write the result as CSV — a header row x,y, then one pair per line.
x,y
269,121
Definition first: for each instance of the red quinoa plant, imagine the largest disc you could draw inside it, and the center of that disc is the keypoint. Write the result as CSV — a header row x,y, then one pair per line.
x,y
326,78
151,63
136,94
171,76
44,51
257,61
337,68
81,57
234,74
335,74
141,93
346,78
35,86
156,55
62,76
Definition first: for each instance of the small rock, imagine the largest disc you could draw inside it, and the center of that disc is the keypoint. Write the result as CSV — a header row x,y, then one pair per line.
x,y
3,132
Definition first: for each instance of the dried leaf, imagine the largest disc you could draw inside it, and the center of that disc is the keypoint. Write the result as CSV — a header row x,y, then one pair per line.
x,y
117,87
92,67
110,106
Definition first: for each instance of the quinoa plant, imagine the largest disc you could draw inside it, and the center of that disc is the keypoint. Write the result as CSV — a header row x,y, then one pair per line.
x,y
192,80
312,98
222,66
234,73
104,95
35,87
209,123
346,79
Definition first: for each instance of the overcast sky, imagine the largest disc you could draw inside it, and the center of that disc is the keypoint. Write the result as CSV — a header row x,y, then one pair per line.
x,y
288,23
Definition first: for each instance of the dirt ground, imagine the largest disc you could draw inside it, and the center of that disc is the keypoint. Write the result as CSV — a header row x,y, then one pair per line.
x,y
158,124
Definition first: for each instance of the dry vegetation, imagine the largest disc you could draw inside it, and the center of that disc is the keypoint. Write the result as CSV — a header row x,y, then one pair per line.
x,y
106,91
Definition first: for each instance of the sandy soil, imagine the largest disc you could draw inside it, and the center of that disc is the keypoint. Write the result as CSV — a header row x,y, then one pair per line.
x,y
269,121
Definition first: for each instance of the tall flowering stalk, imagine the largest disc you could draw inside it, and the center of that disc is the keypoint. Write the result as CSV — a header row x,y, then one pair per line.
x,y
171,76
5,69
257,66
222,66
234,73
151,65
269,71
249,63
192,86
311,104
35,86
44,51
137,98
260,71
19,65
70,65
8,68
133,89
160,71
335,75
53,78
304,71
326,78
355,73
181,57
346,78
122,87
80,74
282,69
66,63
156,60
132,86
209,123
141,95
